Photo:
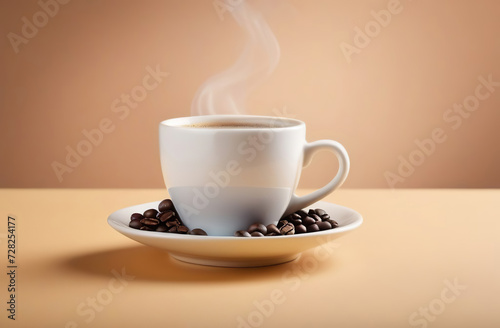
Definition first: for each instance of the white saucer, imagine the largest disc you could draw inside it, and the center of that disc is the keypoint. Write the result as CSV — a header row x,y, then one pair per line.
x,y
235,251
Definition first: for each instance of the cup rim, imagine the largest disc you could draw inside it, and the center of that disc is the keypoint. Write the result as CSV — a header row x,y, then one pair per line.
x,y
282,122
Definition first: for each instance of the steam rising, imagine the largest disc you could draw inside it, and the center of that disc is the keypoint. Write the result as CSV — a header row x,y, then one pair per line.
x,y
225,93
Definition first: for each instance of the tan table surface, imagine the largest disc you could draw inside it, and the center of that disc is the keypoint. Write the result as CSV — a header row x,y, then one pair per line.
x,y
422,258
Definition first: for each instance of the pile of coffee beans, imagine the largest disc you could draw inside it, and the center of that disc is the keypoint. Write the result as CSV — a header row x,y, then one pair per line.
x,y
166,219
163,219
295,223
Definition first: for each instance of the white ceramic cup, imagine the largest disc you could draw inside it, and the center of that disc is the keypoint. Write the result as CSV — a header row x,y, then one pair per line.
x,y
225,177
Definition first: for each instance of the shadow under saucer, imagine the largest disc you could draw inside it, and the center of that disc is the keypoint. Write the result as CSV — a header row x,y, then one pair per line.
x,y
151,264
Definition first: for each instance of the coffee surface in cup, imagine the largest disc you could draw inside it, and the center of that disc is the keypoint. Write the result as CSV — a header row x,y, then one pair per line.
x,y
229,125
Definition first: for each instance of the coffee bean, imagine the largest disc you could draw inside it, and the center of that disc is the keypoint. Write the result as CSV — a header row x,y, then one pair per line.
x,y
281,223
300,229
242,233
272,228
257,234
151,213
312,228
136,216
296,222
166,215
325,217
308,221
287,229
257,227
320,211
173,223
165,205
182,229
324,225
302,213
162,228
295,216
147,228
172,229
136,224
273,234
150,222
334,223
316,217
311,212
198,232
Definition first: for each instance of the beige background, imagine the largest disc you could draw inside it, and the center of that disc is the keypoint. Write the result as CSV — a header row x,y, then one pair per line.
x,y
396,90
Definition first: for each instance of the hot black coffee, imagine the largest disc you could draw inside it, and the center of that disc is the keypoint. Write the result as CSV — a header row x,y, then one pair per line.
x,y
230,125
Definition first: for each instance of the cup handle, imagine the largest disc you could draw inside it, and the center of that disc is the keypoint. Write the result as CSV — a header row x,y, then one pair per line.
x,y
297,203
